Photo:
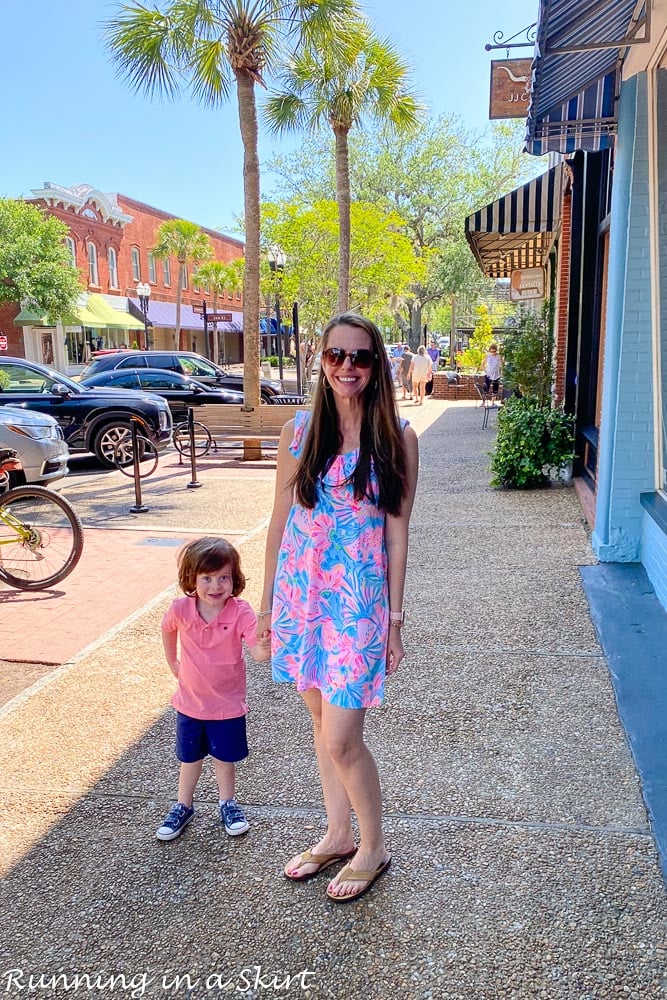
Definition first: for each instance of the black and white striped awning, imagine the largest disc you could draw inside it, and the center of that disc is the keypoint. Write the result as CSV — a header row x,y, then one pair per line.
x,y
518,230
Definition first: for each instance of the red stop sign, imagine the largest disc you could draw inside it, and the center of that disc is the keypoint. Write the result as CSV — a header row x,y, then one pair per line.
x,y
3,342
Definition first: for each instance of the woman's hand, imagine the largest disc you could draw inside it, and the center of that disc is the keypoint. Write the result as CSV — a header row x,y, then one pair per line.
x,y
395,650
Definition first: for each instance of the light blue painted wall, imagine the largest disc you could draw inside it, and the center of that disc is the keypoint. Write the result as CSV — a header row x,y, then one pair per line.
x,y
654,557
626,454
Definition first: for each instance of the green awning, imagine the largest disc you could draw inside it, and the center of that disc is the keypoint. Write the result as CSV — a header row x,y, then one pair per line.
x,y
29,317
95,312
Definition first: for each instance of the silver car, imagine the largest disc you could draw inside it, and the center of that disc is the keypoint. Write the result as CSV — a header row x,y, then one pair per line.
x,y
39,442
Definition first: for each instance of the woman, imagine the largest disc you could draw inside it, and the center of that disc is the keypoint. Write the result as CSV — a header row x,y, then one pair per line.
x,y
335,574
421,371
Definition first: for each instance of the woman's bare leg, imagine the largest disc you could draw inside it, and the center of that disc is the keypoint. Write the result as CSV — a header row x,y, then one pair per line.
x,y
342,732
339,838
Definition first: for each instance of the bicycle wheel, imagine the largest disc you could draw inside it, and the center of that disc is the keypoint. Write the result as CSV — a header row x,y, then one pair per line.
x,y
41,538
123,457
203,439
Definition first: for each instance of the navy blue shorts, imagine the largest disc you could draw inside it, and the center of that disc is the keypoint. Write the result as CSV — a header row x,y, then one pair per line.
x,y
224,739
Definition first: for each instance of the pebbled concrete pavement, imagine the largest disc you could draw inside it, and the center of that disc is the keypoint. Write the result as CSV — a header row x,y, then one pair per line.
x,y
524,864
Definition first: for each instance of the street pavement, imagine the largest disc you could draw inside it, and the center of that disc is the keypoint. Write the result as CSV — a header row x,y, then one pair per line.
x,y
523,860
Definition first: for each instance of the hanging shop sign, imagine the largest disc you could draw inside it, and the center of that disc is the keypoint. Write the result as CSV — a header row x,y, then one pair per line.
x,y
527,283
510,88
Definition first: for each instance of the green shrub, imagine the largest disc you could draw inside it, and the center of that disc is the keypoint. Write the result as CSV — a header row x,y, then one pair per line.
x,y
533,443
5,380
273,361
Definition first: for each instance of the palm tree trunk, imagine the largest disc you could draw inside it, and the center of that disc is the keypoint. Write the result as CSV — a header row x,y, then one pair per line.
x,y
245,89
180,341
344,227
216,341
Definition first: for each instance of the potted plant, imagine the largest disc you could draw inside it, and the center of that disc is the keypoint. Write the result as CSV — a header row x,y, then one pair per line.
x,y
535,440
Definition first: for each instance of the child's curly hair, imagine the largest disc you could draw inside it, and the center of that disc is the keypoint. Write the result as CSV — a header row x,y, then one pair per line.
x,y
208,555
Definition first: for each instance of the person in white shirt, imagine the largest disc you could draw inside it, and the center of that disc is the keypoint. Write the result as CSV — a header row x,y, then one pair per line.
x,y
421,370
493,369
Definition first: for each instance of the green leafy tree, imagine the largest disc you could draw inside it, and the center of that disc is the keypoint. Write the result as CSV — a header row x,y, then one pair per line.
x,y
35,264
528,349
367,78
434,177
473,357
382,259
189,245
207,46
220,277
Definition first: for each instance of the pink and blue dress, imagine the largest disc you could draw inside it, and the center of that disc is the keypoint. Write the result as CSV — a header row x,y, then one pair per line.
x,y
330,601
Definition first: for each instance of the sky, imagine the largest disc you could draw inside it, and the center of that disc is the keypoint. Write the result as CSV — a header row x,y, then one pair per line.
x,y
68,119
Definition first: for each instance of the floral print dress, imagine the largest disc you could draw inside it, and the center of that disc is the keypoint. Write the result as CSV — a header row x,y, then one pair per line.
x,y
330,602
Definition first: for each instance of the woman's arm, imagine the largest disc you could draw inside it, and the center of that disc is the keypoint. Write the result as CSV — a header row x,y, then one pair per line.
x,y
282,504
396,540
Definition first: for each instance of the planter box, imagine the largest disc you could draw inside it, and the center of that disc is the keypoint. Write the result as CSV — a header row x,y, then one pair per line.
x,y
465,388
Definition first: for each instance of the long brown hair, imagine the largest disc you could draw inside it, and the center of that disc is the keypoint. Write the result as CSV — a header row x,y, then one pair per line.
x,y
381,444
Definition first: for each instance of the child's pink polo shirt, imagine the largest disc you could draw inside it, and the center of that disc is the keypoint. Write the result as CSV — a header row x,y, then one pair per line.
x,y
211,678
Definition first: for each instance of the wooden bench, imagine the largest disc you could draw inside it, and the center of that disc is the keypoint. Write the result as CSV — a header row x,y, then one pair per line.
x,y
229,422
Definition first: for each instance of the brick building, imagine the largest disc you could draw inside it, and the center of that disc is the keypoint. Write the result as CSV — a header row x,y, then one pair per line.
x,y
110,241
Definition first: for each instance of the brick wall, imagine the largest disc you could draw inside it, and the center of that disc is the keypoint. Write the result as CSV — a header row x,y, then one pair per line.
x,y
464,389
142,233
562,293
14,334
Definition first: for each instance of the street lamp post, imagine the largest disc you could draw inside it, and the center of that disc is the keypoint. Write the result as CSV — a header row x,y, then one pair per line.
x,y
144,294
277,258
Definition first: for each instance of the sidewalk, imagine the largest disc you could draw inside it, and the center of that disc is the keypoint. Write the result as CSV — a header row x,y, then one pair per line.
x,y
523,863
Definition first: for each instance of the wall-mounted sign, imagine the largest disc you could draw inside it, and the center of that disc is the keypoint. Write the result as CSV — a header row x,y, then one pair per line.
x,y
526,284
510,88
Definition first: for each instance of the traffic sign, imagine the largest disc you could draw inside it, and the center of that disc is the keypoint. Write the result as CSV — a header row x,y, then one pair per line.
x,y
3,342
219,317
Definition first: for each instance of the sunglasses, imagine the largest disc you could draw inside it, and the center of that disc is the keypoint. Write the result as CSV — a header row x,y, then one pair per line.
x,y
361,358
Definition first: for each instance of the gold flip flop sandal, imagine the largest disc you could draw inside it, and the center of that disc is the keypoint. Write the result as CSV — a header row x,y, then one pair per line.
x,y
349,875
323,861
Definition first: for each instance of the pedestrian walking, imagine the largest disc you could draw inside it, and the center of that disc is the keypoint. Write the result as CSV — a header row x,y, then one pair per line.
x,y
421,372
493,367
406,377
202,635
333,591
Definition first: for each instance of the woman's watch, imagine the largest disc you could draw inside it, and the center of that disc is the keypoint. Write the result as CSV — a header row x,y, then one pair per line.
x,y
397,618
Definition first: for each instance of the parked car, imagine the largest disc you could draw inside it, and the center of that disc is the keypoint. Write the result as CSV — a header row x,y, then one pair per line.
x,y
39,442
92,419
183,362
179,390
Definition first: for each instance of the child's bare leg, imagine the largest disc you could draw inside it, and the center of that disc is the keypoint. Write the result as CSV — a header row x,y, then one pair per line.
x,y
224,775
187,781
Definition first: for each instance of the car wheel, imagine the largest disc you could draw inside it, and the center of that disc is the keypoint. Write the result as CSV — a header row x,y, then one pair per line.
x,y
112,443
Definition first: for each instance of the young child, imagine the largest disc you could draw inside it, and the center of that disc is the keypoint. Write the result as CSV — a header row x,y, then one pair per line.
x,y
209,624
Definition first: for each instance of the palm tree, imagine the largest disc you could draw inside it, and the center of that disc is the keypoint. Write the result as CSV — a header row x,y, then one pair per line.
x,y
365,77
189,245
220,277
206,45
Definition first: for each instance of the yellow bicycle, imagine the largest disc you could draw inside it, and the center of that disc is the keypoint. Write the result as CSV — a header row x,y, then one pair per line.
x,y
41,536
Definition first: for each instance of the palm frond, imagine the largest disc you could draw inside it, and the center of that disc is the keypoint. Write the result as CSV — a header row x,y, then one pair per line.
x,y
144,49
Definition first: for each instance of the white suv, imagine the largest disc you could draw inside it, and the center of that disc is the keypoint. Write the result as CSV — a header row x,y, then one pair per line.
x,y
39,442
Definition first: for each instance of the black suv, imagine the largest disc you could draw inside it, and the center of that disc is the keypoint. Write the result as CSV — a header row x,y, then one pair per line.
x,y
96,420
184,362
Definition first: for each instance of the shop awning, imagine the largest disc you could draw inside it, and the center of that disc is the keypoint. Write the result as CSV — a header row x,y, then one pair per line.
x,y
105,317
518,230
579,48
91,311
163,314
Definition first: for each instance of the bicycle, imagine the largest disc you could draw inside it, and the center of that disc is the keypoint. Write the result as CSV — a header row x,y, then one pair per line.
x,y
203,439
41,536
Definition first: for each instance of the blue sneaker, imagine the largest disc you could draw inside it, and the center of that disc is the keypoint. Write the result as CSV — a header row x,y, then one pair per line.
x,y
233,818
175,822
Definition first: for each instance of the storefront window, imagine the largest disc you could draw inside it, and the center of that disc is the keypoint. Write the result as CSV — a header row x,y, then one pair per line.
x,y
113,268
136,264
93,276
